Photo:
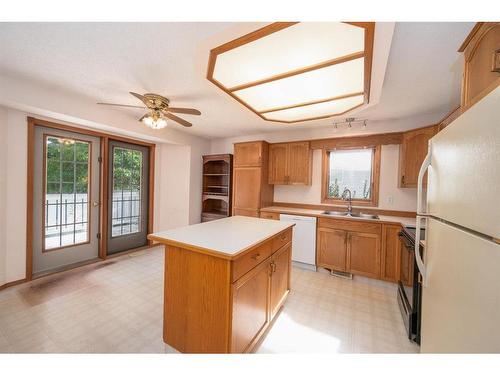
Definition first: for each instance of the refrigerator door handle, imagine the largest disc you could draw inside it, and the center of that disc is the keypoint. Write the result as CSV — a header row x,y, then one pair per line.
x,y
418,257
421,210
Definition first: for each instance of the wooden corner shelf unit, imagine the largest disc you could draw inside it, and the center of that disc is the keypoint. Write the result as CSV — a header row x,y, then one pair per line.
x,y
217,187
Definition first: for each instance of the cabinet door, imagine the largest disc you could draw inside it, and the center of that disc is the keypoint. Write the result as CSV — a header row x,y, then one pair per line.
x,y
391,252
363,254
299,163
331,248
247,154
278,168
246,188
412,154
280,277
250,307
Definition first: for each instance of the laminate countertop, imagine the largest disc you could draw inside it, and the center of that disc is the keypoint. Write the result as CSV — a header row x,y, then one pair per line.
x,y
225,238
404,221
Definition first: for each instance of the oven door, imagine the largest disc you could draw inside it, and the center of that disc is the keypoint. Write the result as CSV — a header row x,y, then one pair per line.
x,y
405,284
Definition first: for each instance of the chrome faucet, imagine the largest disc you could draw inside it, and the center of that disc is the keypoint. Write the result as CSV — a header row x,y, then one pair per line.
x,y
348,199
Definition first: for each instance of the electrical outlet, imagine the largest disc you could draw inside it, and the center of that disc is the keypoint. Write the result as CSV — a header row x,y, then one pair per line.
x,y
390,199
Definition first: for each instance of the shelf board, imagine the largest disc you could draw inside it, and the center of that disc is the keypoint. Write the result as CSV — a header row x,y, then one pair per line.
x,y
218,186
215,174
214,194
216,213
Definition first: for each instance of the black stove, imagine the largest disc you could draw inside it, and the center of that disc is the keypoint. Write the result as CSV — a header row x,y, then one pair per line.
x,y
409,287
410,232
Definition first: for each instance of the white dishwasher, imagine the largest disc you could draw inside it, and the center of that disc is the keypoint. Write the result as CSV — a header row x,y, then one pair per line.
x,y
304,239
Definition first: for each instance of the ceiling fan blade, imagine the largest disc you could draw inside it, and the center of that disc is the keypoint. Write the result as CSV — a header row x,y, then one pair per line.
x,y
188,111
178,119
123,105
143,99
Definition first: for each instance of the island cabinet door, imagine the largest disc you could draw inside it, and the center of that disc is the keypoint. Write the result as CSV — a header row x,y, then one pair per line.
x,y
280,277
250,308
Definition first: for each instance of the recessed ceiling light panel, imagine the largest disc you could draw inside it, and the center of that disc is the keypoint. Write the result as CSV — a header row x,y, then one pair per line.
x,y
291,72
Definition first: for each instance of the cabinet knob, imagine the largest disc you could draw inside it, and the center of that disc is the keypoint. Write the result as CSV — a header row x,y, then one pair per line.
x,y
255,256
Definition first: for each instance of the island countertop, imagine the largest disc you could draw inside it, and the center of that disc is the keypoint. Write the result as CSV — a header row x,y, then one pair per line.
x,y
225,238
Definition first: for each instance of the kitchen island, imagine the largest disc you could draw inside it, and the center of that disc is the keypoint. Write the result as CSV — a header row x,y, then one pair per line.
x,y
225,281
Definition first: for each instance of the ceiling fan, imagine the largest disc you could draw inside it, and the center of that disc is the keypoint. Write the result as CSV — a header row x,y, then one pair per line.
x,y
159,110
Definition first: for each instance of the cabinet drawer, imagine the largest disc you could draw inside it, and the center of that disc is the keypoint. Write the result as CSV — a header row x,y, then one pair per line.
x,y
270,215
250,260
282,239
350,225
245,212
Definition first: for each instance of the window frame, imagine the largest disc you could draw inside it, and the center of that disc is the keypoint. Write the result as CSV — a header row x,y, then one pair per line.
x,y
325,178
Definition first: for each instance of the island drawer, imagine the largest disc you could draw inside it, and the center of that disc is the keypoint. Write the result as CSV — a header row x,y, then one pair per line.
x,y
250,260
282,239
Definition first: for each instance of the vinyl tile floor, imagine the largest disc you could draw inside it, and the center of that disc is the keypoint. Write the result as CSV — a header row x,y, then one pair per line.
x,y
115,306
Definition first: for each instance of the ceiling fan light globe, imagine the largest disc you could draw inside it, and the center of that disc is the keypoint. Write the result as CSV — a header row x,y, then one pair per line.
x,y
154,123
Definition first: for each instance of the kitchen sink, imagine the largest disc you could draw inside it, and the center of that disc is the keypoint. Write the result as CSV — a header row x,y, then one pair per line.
x,y
335,213
352,214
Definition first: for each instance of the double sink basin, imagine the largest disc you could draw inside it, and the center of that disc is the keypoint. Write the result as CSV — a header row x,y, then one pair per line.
x,y
358,215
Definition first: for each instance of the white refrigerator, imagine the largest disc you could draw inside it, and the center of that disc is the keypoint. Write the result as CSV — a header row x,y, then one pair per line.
x,y
461,263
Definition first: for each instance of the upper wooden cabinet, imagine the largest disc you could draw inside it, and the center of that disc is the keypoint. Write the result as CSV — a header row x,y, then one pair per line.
x,y
251,190
481,61
290,163
412,153
249,154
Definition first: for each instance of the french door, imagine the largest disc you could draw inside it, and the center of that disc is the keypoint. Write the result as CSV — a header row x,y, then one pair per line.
x,y
66,180
128,196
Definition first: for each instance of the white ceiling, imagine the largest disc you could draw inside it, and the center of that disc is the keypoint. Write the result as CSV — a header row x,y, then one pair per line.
x,y
103,61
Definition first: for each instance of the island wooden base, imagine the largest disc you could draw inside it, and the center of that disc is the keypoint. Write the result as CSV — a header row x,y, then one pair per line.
x,y
219,305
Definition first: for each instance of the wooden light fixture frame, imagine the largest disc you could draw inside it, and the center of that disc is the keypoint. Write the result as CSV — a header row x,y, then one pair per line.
x,y
367,53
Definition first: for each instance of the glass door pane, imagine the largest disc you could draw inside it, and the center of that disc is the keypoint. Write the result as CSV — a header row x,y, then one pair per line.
x,y
66,192
127,191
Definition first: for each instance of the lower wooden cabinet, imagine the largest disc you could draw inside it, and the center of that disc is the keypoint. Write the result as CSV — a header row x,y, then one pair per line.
x,y
250,307
363,254
349,246
258,295
280,278
391,253
332,249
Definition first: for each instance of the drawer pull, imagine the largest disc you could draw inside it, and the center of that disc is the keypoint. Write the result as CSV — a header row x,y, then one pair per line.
x,y
273,267
256,256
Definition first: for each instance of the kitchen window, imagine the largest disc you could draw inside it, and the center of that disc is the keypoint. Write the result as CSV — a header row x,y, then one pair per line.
x,y
356,169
